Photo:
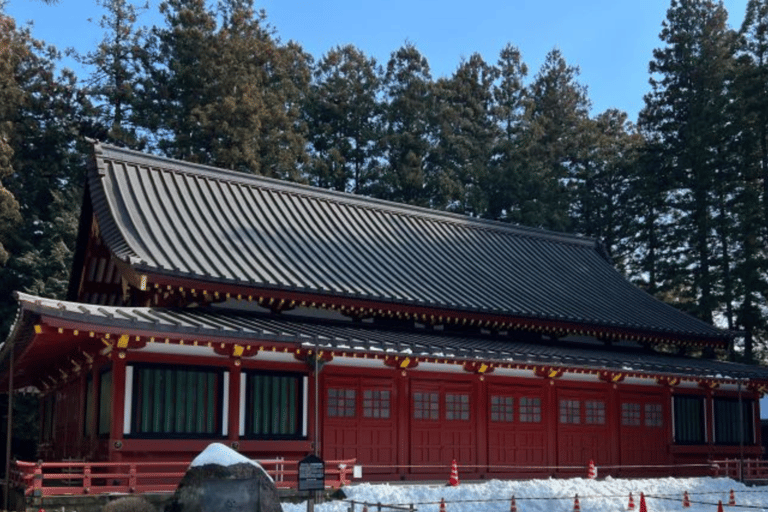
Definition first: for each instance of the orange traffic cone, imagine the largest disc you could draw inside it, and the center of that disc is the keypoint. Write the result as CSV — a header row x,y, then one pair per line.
x,y
513,505
591,470
631,505
720,506
643,507
686,500
576,506
454,479
732,499
442,504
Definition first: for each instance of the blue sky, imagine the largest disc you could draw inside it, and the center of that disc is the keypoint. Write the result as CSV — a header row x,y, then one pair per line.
x,y
610,40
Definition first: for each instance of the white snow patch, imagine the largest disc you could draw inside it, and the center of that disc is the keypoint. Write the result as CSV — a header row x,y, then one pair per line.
x,y
222,455
546,495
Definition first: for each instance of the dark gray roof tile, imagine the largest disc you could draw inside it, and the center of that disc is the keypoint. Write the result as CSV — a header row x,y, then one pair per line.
x,y
190,221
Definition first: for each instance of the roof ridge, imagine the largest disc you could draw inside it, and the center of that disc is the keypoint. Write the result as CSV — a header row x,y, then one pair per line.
x,y
318,193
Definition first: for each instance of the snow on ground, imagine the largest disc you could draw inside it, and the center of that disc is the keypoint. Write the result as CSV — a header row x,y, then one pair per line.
x,y
554,495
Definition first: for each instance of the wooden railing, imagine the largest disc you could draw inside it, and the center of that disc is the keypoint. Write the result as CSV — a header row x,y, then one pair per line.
x,y
75,477
750,470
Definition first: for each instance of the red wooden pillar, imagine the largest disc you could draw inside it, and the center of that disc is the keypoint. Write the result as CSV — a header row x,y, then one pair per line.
x,y
481,408
118,408
613,417
403,411
669,422
549,418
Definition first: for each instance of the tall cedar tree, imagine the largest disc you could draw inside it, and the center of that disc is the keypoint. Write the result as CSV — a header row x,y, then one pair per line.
x,y
115,71
510,108
466,136
750,200
558,117
685,114
11,96
43,119
408,119
603,184
344,118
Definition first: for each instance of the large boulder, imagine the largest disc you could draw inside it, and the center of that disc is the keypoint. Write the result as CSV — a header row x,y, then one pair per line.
x,y
221,480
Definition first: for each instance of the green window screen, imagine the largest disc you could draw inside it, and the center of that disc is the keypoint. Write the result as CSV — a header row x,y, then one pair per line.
x,y
689,420
727,421
105,402
176,402
273,405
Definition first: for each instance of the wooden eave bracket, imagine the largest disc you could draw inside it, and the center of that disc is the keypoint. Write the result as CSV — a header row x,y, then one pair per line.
x,y
611,377
478,367
668,381
308,355
548,372
235,350
401,362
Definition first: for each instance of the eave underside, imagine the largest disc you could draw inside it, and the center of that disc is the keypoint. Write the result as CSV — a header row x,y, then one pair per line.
x,y
60,335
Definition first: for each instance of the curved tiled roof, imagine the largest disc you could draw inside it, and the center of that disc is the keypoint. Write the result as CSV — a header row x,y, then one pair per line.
x,y
253,327
173,218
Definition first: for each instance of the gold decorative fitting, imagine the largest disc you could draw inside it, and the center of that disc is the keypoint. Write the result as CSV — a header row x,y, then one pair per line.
x,y
121,355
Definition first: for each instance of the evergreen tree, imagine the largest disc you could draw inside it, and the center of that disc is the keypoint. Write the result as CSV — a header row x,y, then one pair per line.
x,y
14,50
116,68
506,189
603,183
225,94
559,111
466,135
43,119
685,112
178,67
750,201
344,114
408,128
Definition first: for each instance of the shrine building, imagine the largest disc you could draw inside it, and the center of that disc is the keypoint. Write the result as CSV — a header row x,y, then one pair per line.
x,y
208,305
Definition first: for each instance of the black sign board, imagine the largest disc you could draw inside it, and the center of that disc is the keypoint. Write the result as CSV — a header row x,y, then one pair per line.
x,y
230,496
311,473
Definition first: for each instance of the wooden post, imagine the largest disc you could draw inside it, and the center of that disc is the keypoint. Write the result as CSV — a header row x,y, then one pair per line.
x,y
9,432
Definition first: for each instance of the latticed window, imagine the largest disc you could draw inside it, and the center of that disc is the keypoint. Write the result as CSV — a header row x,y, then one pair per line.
x,y
630,414
594,412
457,407
376,403
174,401
273,408
341,403
689,419
653,415
502,408
570,411
530,410
727,421
426,406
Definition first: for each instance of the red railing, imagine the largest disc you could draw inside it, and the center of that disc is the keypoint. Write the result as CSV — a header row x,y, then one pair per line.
x,y
751,470
71,478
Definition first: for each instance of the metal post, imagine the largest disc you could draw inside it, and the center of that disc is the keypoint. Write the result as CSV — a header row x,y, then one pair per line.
x,y
9,434
741,435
